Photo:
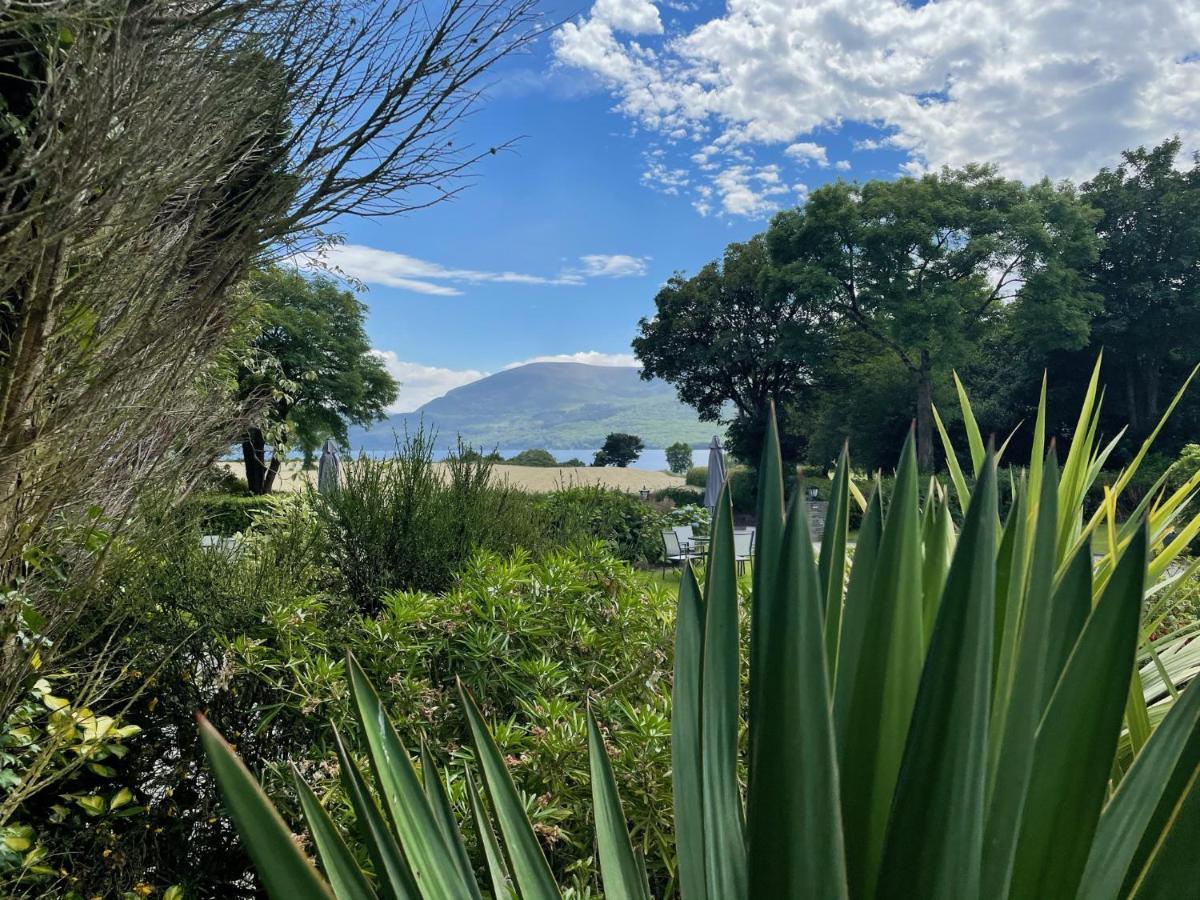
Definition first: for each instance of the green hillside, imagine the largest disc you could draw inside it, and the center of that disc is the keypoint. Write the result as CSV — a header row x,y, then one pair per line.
x,y
550,405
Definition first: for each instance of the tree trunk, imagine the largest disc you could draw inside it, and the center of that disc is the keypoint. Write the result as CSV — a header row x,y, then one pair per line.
x,y
1151,372
254,450
272,471
925,414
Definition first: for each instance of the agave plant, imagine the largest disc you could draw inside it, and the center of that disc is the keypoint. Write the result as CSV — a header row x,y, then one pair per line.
x,y
940,719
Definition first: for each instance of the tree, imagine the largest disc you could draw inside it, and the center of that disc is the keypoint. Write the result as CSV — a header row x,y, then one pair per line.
x,y
311,371
1148,273
679,457
731,339
535,456
619,450
927,267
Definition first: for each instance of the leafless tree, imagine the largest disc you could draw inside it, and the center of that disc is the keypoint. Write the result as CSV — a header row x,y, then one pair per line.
x,y
151,151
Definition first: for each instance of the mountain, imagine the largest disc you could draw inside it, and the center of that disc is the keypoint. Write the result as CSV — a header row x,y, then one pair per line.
x,y
549,404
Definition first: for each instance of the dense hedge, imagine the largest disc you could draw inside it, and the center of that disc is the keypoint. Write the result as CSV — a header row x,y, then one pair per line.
x,y
226,514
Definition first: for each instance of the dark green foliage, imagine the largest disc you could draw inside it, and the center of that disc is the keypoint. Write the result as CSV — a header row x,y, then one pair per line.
x,y
226,514
533,457
696,476
679,457
680,496
406,523
732,336
629,527
619,450
310,373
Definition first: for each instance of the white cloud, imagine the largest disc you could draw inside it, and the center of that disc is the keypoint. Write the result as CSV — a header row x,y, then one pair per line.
x,y
630,16
747,191
419,384
842,165
371,265
1040,87
613,265
806,152
588,357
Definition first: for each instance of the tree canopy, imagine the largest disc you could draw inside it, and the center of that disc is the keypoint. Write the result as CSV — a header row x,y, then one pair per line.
x,y
619,450
734,337
679,457
925,268
310,372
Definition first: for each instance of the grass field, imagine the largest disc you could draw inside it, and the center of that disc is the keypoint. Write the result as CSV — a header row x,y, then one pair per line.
x,y
526,478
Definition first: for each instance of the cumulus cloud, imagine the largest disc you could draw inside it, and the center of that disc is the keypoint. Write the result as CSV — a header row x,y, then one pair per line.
x,y
1039,88
613,265
419,383
806,152
370,265
629,16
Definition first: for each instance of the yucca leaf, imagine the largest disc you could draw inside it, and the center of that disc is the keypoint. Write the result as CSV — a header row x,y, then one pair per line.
x,y
623,874
1017,712
937,537
1077,740
794,767
1010,598
935,831
435,793
1039,446
497,868
720,700
529,868
431,862
345,877
1068,613
974,437
286,874
885,685
1124,821
956,474
686,751
767,540
832,562
395,880
857,614
1174,863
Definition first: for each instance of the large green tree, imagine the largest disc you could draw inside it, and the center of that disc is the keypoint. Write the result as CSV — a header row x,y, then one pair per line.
x,y
928,267
1148,273
732,338
309,373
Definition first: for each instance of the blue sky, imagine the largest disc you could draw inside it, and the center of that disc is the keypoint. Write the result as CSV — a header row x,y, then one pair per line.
x,y
651,134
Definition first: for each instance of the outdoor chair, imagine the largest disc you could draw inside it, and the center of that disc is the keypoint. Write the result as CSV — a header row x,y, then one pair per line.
x,y
673,552
686,537
743,548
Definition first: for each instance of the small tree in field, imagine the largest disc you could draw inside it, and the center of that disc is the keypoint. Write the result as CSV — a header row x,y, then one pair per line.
x,y
679,457
619,450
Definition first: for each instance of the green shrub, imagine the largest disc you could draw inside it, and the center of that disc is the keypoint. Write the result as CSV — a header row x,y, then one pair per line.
x,y
534,457
680,496
534,641
226,514
697,476
588,513
403,523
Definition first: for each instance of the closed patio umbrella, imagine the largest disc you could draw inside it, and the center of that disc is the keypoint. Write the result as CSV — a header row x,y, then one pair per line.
x,y
329,468
716,474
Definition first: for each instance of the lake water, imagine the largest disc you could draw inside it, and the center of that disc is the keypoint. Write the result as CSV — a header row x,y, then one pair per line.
x,y
652,459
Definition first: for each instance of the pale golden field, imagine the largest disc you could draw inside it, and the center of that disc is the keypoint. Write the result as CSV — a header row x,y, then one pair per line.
x,y
526,478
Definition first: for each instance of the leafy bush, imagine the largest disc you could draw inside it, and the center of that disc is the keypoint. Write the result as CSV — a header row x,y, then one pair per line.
x,y
535,641
697,476
693,514
535,457
226,514
679,457
586,513
404,523
680,496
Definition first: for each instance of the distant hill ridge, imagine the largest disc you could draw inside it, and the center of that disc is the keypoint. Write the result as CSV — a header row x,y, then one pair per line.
x,y
549,404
